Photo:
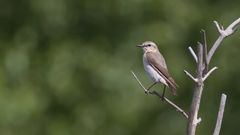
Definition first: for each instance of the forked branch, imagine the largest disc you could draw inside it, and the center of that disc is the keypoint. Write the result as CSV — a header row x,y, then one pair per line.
x,y
203,59
223,33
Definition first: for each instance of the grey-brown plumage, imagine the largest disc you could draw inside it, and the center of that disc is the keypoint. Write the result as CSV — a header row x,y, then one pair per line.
x,y
155,66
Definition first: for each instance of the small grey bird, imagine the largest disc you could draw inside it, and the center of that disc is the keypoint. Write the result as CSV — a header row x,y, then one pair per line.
x,y
156,68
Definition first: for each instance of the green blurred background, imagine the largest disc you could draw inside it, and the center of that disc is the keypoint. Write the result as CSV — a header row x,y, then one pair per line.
x,y
65,66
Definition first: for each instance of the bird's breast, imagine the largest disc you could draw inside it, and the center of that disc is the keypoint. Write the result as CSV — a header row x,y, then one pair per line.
x,y
152,73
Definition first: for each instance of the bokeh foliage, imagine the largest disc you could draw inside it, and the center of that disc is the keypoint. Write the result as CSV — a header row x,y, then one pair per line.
x,y
65,66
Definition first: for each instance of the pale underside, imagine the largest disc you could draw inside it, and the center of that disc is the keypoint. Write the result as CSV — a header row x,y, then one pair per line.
x,y
152,73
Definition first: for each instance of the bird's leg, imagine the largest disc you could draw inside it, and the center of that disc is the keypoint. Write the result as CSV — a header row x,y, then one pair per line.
x,y
150,87
163,92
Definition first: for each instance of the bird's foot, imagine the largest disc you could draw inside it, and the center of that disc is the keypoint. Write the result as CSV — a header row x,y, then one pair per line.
x,y
147,92
163,98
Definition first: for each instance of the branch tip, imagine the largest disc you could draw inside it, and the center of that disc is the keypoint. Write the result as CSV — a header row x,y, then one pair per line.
x,y
189,75
223,33
193,54
209,72
202,31
198,120
218,27
220,114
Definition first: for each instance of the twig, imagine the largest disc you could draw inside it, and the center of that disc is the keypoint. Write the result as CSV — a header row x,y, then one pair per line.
x,y
188,74
160,96
223,33
178,109
145,90
234,25
193,53
209,72
220,30
205,52
220,115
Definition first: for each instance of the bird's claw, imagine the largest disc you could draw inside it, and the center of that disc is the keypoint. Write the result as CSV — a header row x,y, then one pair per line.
x,y
162,98
147,92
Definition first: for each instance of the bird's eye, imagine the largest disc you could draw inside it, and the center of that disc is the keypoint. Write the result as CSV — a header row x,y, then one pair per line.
x,y
149,45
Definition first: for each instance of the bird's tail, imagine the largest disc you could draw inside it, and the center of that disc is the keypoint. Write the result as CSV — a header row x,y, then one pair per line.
x,y
172,86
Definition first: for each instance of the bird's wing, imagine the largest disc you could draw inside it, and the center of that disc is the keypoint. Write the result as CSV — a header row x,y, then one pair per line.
x,y
158,63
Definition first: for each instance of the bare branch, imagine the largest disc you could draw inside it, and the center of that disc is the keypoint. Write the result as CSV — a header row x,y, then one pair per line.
x,y
223,33
188,74
234,25
193,115
178,109
205,52
145,90
220,115
193,53
160,96
203,74
220,30
209,72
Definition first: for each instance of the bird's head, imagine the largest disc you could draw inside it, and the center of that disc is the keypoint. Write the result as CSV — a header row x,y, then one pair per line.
x,y
148,46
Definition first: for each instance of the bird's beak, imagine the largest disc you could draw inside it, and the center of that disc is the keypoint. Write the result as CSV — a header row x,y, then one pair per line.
x,y
139,45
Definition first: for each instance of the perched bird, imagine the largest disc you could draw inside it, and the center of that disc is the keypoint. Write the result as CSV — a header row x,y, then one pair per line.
x,y
156,68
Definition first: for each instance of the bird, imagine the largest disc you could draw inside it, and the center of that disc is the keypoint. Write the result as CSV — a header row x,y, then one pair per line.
x,y
156,68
